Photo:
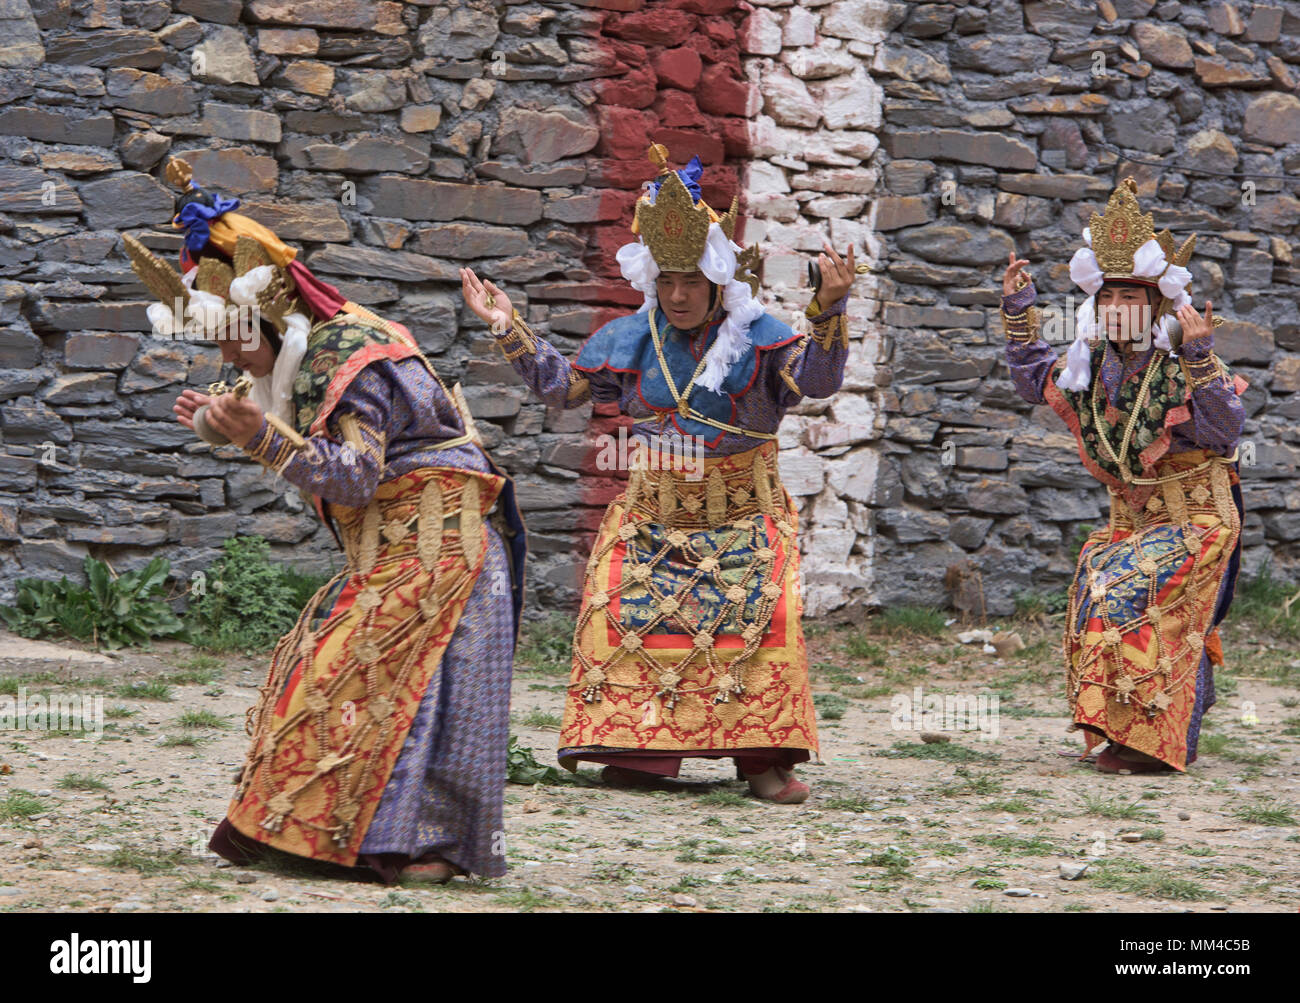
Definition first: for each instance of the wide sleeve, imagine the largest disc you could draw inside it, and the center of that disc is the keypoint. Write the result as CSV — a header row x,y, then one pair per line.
x,y
345,466
548,373
813,366
1029,358
1217,412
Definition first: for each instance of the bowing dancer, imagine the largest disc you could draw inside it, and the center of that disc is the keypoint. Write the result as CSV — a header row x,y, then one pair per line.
x,y
379,739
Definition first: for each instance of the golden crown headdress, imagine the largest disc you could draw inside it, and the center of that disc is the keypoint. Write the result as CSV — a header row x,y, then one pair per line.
x,y
673,224
1119,232
1124,247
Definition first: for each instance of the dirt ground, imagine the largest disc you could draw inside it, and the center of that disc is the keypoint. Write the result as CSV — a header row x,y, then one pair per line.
x,y
120,823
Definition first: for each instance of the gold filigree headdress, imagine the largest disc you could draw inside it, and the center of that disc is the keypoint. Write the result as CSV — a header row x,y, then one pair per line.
x,y
675,225
1120,234
242,244
1122,246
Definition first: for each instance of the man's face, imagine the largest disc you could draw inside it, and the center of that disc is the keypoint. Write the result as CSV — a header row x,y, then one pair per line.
x,y
684,297
246,349
1124,312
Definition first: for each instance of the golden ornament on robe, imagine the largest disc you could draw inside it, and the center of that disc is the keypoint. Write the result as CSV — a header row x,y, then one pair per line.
x,y
281,804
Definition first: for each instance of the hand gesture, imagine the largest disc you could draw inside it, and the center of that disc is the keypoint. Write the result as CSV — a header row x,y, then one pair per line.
x,y
238,419
1194,325
186,404
487,301
1015,277
837,276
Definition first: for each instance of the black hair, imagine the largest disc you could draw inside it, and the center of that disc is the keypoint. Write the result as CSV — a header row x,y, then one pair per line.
x,y
1153,293
272,335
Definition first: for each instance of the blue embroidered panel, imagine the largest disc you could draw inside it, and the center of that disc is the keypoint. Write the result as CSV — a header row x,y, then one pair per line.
x,y
625,345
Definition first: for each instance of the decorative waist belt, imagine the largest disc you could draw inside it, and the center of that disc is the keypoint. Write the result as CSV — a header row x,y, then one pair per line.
x,y
728,489
1186,488
413,522
694,415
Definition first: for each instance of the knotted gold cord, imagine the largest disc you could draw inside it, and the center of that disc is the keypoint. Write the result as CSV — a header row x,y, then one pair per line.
x,y
683,408
1119,461
679,399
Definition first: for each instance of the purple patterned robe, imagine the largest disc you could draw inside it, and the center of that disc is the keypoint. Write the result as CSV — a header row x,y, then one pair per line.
x,y
446,791
1216,423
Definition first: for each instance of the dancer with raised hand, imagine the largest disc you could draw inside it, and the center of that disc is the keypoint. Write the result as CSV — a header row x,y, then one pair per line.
x,y
689,640
1158,423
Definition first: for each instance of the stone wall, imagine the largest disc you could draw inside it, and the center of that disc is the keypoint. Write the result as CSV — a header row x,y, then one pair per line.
x,y
391,141
812,179
999,134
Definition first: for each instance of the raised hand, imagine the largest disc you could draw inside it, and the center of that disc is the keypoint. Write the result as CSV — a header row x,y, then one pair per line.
x,y
1015,277
486,300
1194,325
837,275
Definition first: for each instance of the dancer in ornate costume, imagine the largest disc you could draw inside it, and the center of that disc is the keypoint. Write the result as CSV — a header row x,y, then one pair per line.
x,y
1158,423
689,641
380,736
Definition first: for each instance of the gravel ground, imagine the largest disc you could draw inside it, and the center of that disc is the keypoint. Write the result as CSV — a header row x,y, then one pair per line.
x,y
977,823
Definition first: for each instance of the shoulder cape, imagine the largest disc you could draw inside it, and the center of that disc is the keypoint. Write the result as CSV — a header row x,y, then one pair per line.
x,y
624,345
1166,406
337,350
